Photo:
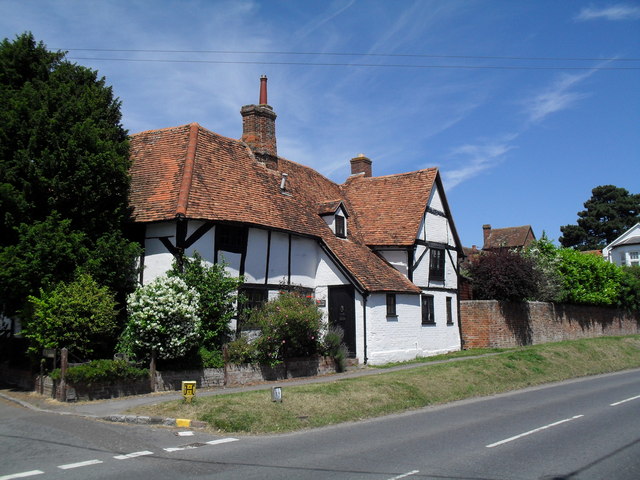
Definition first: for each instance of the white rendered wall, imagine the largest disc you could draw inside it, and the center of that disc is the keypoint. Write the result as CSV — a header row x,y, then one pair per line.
x,y
157,260
204,245
397,258
304,261
402,338
255,264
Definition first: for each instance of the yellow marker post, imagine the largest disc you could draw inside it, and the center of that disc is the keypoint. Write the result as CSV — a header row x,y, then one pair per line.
x,y
188,390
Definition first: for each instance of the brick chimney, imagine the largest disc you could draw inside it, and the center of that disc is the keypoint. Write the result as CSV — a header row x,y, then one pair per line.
x,y
361,164
486,231
259,128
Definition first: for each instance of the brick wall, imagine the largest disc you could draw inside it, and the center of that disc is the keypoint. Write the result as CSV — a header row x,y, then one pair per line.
x,y
236,375
490,323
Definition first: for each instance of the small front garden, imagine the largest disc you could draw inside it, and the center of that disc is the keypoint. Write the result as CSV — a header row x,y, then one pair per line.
x,y
180,322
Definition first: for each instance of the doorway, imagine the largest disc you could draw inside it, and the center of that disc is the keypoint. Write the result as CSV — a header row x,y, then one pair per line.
x,y
342,313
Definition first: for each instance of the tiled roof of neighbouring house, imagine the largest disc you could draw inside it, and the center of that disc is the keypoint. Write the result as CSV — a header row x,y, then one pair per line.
x,y
510,237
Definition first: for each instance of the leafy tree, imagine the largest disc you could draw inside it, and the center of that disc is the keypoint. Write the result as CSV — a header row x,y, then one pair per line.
x,y
75,315
588,278
546,259
163,318
218,297
64,161
504,275
608,214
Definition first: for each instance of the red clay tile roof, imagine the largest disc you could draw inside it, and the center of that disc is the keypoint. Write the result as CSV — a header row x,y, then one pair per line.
x,y
194,172
510,237
390,208
330,207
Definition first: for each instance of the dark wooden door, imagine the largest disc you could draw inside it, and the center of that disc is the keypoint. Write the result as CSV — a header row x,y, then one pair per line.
x,y
342,313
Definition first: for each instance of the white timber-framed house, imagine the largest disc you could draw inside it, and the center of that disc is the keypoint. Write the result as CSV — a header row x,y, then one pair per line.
x,y
379,254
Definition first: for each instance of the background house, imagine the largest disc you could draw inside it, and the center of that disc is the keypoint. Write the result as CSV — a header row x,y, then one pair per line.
x,y
509,237
379,254
625,250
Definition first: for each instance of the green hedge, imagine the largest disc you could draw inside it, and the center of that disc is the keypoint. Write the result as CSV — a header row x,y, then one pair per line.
x,y
102,371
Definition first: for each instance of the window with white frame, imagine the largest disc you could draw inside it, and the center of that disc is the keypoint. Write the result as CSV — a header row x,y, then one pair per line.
x,y
634,259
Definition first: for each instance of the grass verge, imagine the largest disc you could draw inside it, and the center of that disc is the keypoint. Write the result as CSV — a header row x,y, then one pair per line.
x,y
316,405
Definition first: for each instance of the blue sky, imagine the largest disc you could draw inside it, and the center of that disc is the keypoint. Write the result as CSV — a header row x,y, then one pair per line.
x,y
411,84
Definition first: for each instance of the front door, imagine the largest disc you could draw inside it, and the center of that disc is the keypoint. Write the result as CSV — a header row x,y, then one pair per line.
x,y
342,313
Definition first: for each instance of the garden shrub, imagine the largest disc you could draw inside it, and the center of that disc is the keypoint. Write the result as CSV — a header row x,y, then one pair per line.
x,y
162,318
589,279
290,326
241,351
210,358
629,297
334,347
504,275
102,371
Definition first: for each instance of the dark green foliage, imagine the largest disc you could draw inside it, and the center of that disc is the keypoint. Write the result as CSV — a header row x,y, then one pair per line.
x,y
608,214
64,161
102,371
504,275
75,315
588,278
335,348
218,297
630,289
241,350
290,326
210,358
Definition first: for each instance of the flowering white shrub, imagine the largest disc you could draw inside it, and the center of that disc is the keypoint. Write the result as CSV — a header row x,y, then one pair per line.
x,y
162,317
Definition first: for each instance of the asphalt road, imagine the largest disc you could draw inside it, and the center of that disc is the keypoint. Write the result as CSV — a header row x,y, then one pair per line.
x,y
582,429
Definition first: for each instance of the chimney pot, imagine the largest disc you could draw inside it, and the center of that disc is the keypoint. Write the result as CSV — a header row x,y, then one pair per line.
x,y
263,90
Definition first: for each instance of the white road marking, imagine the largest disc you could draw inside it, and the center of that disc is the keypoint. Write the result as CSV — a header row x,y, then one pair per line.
x,y
79,464
185,434
222,440
624,401
133,455
179,449
405,475
511,439
22,474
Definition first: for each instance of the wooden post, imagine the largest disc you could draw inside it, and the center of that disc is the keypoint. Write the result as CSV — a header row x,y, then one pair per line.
x,y
64,365
225,359
152,371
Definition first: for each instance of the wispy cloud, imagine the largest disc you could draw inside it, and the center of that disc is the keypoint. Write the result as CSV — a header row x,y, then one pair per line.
x,y
613,12
474,159
559,96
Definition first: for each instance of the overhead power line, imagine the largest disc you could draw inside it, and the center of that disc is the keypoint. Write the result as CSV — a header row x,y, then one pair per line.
x,y
361,54
387,65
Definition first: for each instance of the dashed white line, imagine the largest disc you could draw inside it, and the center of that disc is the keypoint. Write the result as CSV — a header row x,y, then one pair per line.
x,y
69,466
133,455
179,449
511,439
405,475
22,474
624,401
222,440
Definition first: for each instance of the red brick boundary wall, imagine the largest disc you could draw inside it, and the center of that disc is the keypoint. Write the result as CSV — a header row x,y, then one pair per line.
x,y
490,323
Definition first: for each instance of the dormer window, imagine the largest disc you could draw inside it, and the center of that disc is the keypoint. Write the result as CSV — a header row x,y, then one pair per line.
x,y
335,214
340,226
